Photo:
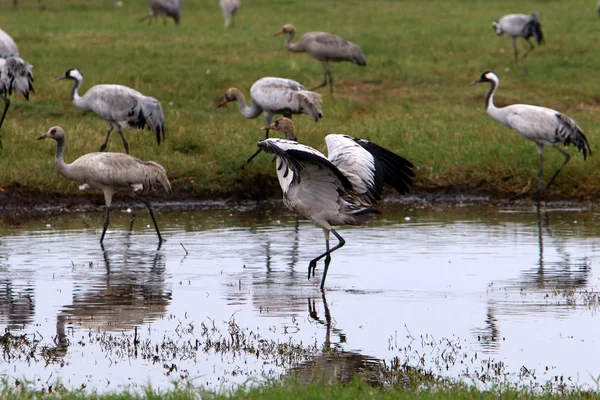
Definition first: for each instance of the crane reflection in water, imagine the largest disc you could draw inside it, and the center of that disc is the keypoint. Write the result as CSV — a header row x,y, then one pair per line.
x,y
124,298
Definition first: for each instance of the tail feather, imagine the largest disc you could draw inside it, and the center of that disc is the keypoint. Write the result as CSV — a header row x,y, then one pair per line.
x,y
533,27
156,175
311,104
17,76
571,133
356,214
153,114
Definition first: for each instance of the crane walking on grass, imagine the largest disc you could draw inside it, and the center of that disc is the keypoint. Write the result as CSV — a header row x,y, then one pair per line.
x,y
163,8
15,73
525,26
122,106
276,96
229,8
324,47
339,190
110,172
543,126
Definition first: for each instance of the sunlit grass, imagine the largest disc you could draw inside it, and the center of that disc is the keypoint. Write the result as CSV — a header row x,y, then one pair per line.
x,y
412,97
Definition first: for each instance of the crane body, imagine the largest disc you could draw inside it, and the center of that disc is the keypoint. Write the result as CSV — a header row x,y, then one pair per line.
x,y
341,189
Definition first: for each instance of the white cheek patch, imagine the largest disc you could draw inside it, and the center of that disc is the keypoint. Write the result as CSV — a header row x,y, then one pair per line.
x,y
76,74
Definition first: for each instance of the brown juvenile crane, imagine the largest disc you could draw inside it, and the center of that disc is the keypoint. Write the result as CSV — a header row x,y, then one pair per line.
x,y
324,47
110,172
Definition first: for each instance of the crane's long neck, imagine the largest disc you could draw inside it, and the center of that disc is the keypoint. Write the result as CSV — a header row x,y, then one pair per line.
x,y
292,46
59,160
74,90
497,113
249,112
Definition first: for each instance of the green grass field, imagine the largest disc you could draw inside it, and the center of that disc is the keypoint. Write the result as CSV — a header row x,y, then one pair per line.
x,y
413,97
289,389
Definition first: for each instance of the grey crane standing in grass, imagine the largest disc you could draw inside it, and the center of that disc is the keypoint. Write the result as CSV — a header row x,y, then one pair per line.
x,y
122,106
337,190
15,73
110,172
520,25
325,48
229,8
543,126
276,96
164,9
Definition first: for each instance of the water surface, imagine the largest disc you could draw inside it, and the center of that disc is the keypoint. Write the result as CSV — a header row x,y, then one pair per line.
x,y
459,291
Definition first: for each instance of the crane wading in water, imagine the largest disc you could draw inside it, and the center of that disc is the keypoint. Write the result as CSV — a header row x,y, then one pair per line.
x,y
324,47
122,106
541,125
15,73
275,96
110,172
337,190
525,26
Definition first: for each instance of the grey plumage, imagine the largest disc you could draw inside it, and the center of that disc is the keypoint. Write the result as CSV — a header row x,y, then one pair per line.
x,y
325,48
164,9
229,8
15,73
110,172
543,126
122,106
273,96
8,47
337,190
520,25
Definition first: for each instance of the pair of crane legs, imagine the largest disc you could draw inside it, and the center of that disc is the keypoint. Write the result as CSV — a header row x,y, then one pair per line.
x,y
514,42
147,204
540,149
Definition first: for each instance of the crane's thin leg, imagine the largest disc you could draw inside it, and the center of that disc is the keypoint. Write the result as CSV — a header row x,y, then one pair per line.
x,y
330,82
106,223
540,149
103,147
567,158
125,144
529,49
6,105
514,41
145,17
313,263
324,83
147,203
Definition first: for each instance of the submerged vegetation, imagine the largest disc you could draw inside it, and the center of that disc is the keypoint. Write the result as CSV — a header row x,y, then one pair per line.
x,y
285,367
412,97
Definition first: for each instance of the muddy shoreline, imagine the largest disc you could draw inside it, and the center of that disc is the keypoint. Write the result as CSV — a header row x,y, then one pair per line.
x,y
17,201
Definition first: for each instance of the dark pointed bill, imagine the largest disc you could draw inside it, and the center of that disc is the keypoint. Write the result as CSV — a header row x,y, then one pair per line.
x,y
223,102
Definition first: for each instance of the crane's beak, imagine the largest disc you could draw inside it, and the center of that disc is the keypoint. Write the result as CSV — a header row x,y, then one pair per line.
x,y
281,32
42,137
271,126
223,102
60,78
476,81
